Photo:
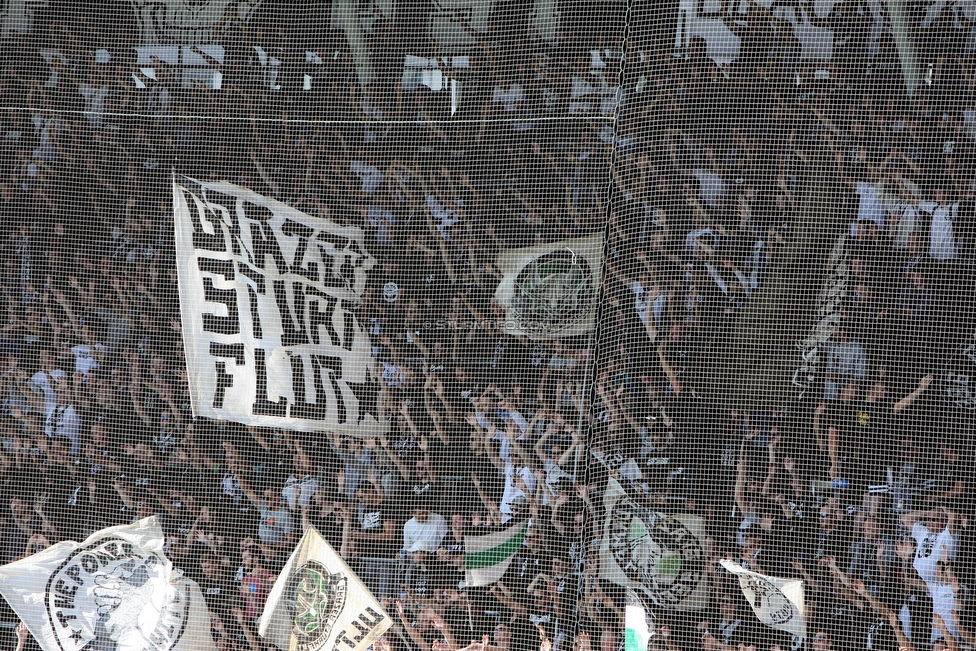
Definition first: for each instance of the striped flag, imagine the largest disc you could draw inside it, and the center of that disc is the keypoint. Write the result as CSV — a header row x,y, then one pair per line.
x,y
486,558
637,633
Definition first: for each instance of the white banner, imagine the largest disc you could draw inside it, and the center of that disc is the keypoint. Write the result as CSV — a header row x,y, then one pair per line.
x,y
115,590
193,22
830,301
551,290
778,603
266,294
319,603
658,554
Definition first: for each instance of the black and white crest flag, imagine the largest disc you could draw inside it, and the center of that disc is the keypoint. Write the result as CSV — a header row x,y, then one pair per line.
x,y
778,603
266,294
116,590
318,603
659,555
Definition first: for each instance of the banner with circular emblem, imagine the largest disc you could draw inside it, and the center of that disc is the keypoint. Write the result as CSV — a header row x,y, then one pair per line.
x,y
778,603
551,290
115,590
318,602
660,555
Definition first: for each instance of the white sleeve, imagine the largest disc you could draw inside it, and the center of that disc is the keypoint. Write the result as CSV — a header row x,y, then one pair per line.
x,y
947,541
409,536
919,532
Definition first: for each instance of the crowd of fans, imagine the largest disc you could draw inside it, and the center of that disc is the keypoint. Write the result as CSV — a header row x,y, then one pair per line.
x,y
863,488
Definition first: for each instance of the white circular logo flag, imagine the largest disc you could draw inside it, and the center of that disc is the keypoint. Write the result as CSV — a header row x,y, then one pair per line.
x,y
114,591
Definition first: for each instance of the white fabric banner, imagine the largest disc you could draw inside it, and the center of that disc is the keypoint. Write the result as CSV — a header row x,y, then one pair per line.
x,y
551,290
319,603
658,554
778,603
116,590
266,295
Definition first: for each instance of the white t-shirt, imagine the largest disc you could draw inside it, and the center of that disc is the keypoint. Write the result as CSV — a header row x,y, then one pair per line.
x,y
84,361
711,186
66,423
930,550
942,237
870,208
424,536
907,224
42,380
298,492
943,603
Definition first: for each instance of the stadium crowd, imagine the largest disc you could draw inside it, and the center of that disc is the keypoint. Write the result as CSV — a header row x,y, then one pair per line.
x,y
863,488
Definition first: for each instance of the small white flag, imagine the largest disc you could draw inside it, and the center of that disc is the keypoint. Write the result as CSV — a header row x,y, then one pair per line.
x,y
778,603
116,590
486,558
318,602
637,633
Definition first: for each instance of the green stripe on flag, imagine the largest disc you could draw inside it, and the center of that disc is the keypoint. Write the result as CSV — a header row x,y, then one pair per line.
x,y
495,555
631,643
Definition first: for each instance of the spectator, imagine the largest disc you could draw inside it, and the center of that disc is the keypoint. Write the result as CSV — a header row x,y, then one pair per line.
x,y
424,532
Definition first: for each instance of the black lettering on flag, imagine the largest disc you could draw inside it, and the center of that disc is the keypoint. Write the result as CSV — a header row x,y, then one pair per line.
x,y
207,218
341,637
222,268
64,618
349,335
225,325
304,234
292,316
224,379
262,406
265,244
325,305
233,351
252,298
256,276
323,367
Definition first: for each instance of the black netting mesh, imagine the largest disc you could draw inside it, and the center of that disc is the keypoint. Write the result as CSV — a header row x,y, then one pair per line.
x,y
671,282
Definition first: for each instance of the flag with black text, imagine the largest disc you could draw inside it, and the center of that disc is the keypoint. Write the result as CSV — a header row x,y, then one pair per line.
x,y
267,296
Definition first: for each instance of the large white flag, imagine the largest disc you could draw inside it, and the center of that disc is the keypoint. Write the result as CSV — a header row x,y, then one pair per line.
x,y
658,554
551,290
778,603
116,590
319,603
267,295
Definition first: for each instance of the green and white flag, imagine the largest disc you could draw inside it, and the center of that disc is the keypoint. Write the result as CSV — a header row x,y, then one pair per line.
x,y
637,633
318,603
659,555
778,603
551,290
486,558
